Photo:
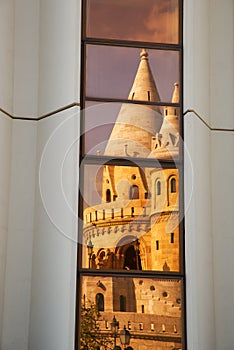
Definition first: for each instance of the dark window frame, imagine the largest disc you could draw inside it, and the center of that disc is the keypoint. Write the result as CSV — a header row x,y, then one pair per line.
x,y
131,161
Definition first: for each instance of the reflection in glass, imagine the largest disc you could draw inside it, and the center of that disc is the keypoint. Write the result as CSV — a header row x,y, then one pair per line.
x,y
132,130
136,20
126,218
149,307
131,73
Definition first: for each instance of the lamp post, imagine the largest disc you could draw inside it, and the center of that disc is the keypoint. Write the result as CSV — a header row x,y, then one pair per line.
x,y
90,251
114,329
125,337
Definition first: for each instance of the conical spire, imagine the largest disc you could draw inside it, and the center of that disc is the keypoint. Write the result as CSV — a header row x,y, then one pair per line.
x,y
136,124
144,88
175,96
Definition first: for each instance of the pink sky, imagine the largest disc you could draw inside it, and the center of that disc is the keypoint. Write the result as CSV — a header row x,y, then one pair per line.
x,y
141,20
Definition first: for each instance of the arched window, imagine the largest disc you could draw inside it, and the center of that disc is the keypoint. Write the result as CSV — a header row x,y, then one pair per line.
x,y
173,185
122,303
158,187
100,301
108,195
134,192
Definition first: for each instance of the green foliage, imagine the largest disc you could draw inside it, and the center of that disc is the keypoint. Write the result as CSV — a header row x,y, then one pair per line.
x,y
91,335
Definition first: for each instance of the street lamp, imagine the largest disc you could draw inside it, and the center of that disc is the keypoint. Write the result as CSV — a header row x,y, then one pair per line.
x,y
114,329
90,251
125,337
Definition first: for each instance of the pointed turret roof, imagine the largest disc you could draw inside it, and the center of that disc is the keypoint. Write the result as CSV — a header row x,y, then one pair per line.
x,y
166,143
144,87
175,96
136,124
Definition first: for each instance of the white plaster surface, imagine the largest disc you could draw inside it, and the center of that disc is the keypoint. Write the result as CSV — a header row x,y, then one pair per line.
x,y
59,54
5,166
222,63
223,236
6,102
26,57
17,289
197,57
54,258
6,54
198,233
208,87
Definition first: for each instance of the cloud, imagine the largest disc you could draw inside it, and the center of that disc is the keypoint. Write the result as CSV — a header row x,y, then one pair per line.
x,y
153,21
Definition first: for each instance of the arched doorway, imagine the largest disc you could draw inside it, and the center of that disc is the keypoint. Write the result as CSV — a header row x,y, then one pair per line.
x,y
132,259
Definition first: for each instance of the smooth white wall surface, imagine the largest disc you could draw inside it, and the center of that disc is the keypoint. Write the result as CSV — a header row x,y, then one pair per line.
x,y
5,166
6,102
19,83
54,258
59,53
54,254
208,89
222,63
198,233
7,27
223,236
26,57
20,237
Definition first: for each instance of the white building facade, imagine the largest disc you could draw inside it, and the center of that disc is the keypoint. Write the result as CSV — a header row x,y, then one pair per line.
x,y
40,74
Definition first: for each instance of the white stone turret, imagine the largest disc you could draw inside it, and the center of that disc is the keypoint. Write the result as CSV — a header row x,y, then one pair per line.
x,y
165,145
137,124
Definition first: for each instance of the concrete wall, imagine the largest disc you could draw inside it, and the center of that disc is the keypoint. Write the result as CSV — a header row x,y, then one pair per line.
x,y
40,71
54,254
6,102
208,87
21,80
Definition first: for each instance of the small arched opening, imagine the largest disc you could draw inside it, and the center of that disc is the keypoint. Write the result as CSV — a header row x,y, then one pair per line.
x,y
100,301
134,192
108,196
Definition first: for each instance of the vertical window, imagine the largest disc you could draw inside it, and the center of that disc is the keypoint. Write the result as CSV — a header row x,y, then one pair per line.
x,y
172,237
134,192
158,187
131,81
173,185
100,302
122,303
108,195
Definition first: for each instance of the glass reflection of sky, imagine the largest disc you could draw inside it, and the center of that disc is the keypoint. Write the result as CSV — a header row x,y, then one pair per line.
x,y
112,70
136,20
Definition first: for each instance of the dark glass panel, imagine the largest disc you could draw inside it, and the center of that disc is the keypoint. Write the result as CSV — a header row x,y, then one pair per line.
x,y
135,20
153,316
131,130
130,73
123,232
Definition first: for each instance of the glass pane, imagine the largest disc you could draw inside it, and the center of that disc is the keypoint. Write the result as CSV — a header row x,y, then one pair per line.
x,y
128,223
135,20
149,308
131,73
132,130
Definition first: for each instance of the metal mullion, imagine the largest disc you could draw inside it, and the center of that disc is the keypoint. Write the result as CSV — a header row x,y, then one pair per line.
x,y
132,274
134,44
80,200
139,102
133,162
